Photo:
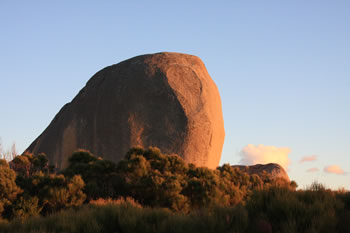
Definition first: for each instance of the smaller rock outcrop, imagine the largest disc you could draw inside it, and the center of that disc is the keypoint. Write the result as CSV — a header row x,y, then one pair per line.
x,y
274,170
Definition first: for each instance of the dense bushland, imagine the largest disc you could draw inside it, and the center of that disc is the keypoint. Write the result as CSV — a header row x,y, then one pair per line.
x,y
29,187
148,191
275,210
158,180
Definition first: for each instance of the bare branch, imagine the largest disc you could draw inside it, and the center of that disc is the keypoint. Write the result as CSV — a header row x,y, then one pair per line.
x,y
8,154
13,151
1,151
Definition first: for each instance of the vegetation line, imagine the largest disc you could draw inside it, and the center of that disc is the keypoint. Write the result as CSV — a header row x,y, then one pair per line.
x,y
148,191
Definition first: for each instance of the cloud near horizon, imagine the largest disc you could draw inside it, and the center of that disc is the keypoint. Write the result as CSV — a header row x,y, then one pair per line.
x,y
310,158
262,154
313,169
335,169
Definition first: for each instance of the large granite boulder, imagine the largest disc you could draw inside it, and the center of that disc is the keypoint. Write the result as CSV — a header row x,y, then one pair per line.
x,y
166,100
273,170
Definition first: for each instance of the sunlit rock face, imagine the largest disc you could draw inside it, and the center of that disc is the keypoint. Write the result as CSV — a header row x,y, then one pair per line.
x,y
166,100
274,170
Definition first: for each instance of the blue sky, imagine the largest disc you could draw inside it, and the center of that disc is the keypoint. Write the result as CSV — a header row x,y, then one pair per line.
x,y
282,67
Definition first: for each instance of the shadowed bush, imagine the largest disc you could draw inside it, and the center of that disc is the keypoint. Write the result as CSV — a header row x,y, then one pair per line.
x,y
125,217
94,170
313,210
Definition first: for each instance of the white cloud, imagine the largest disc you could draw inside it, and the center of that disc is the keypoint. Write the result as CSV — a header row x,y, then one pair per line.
x,y
262,154
334,169
308,158
313,169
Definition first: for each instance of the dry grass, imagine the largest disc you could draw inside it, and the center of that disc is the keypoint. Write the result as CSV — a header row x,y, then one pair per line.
x,y
120,201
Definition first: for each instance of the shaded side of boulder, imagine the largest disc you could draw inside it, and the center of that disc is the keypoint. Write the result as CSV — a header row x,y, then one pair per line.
x,y
165,100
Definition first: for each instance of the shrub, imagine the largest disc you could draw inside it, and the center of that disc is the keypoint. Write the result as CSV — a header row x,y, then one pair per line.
x,y
8,188
26,206
28,164
53,192
295,211
126,218
94,170
155,179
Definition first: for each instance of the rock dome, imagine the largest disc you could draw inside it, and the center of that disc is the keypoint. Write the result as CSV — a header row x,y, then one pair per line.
x,y
166,100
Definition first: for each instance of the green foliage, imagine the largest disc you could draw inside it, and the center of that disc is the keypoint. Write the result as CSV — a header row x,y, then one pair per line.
x,y
4,163
100,175
202,187
21,165
43,191
27,165
301,211
26,206
155,179
8,188
62,193
277,209
149,191
55,192
125,217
